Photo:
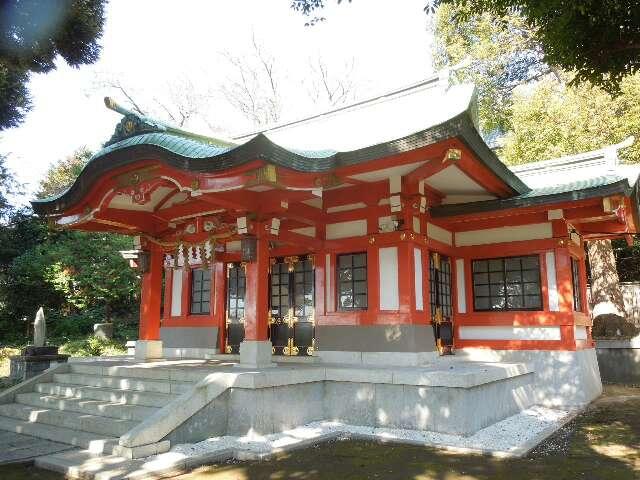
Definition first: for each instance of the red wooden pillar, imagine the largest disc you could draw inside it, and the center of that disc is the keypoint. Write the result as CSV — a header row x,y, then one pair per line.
x,y
150,297
565,293
257,291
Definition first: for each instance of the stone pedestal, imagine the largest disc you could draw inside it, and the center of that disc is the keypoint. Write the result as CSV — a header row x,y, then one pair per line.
x,y
256,354
148,349
33,361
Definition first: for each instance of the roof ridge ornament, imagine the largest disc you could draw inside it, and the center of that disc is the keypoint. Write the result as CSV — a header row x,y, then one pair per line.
x,y
131,124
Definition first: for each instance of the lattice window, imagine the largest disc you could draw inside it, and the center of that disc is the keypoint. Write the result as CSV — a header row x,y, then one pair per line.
x,y
511,283
200,291
576,284
352,281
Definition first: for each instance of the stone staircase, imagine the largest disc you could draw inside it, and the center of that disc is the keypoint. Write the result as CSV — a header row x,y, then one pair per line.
x,y
90,406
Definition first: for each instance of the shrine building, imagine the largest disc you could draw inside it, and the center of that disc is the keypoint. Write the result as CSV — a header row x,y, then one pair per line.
x,y
385,232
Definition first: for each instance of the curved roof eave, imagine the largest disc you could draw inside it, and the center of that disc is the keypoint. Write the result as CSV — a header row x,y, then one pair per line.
x,y
596,187
189,155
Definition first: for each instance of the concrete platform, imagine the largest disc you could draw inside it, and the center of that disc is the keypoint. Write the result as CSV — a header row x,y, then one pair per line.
x,y
448,402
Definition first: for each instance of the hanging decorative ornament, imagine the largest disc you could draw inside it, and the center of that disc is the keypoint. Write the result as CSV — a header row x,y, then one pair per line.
x,y
198,255
207,250
180,256
168,261
190,255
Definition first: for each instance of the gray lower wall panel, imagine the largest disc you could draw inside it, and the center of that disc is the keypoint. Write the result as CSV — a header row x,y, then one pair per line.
x,y
375,338
189,337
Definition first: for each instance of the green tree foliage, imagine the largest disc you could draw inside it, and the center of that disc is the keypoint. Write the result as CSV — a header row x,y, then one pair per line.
x,y
599,40
552,119
61,175
33,33
8,186
80,278
497,54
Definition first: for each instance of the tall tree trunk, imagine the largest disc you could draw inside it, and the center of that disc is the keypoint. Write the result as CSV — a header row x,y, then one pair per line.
x,y
606,296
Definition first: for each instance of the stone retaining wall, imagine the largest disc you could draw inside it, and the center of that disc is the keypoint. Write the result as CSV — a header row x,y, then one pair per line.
x,y
453,410
619,360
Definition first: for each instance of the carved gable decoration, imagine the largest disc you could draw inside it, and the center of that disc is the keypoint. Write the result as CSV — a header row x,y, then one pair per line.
x,y
132,124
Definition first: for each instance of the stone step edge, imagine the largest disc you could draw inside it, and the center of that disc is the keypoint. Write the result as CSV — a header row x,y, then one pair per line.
x,y
140,373
43,421
135,379
68,436
81,409
92,388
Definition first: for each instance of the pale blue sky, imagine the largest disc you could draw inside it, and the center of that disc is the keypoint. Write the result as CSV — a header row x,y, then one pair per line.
x,y
150,44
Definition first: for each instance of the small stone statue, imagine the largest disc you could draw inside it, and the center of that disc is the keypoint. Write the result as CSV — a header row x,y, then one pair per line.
x,y
39,329
35,359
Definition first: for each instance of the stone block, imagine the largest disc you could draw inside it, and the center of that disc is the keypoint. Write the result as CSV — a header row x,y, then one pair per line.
x,y
339,357
398,358
255,354
352,403
248,412
365,375
143,450
295,405
148,349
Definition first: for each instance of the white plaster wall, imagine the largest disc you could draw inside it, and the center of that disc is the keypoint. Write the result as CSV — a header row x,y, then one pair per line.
x,y
439,234
417,271
552,284
388,264
354,228
579,332
509,333
176,293
535,231
461,287
416,224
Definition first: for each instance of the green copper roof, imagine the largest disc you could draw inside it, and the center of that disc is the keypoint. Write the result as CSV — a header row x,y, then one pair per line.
x,y
138,137
580,190
171,142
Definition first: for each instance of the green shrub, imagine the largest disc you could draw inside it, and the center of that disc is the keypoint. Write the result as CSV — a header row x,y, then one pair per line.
x,y
92,347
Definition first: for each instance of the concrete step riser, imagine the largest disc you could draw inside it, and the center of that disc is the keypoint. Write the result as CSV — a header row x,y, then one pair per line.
x,y
63,435
147,399
89,407
86,423
122,383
